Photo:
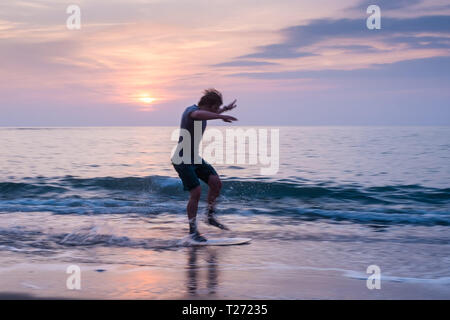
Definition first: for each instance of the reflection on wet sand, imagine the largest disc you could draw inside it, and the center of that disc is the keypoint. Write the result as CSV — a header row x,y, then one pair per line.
x,y
194,269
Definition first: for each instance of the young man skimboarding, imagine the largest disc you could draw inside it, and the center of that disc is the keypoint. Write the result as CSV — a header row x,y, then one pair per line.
x,y
192,168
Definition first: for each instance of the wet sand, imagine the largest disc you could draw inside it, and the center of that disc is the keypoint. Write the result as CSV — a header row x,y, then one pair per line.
x,y
200,273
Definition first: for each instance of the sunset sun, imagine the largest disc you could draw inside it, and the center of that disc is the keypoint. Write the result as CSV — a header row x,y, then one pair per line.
x,y
145,98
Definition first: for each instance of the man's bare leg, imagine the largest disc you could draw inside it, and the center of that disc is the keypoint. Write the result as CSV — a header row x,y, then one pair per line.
x,y
215,185
192,208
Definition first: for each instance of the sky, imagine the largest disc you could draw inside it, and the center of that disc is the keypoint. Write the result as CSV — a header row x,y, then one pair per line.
x,y
287,62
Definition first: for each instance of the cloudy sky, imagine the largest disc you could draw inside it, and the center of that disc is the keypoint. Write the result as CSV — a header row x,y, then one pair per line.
x,y
288,62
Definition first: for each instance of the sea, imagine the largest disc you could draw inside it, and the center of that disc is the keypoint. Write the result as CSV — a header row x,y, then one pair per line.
x,y
342,199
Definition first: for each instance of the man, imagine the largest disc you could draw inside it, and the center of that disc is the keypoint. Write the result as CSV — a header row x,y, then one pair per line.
x,y
195,168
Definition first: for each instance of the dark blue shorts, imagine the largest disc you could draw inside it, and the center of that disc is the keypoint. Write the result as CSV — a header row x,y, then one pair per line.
x,y
191,173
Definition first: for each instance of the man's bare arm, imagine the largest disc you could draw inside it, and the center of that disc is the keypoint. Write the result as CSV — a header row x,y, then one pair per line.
x,y
208,115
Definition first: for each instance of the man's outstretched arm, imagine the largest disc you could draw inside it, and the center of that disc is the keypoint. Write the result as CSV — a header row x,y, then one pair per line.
x,y
208,115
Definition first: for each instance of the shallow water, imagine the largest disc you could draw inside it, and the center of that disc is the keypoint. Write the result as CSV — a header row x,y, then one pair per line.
x,y
344,198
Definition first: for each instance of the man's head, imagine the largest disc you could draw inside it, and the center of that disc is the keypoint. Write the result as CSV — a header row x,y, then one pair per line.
x,y
211,100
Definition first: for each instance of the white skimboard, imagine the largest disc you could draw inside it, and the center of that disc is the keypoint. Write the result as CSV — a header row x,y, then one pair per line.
x,y
221,242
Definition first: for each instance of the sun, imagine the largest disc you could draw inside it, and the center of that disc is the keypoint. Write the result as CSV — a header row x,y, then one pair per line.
x,y
146,98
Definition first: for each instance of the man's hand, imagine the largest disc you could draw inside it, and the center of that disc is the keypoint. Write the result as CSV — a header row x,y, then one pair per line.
x,y
228,118
229,107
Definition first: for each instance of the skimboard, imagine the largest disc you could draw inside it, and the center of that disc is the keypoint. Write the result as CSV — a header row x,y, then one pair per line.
x,y
221,242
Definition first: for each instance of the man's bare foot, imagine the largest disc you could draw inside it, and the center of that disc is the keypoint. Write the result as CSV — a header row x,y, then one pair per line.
x,y
212,220
197,237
